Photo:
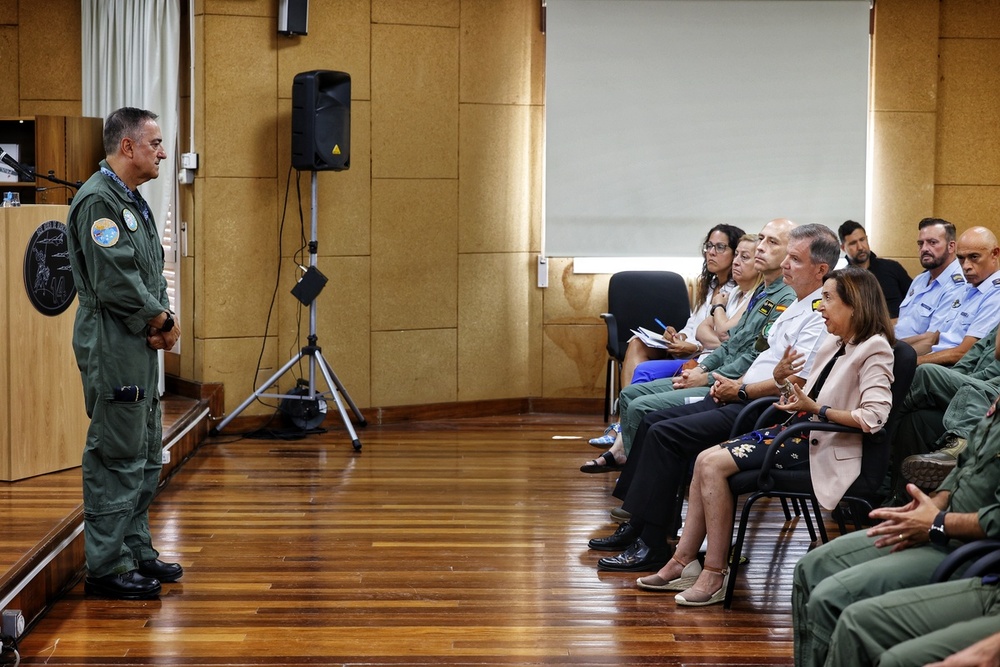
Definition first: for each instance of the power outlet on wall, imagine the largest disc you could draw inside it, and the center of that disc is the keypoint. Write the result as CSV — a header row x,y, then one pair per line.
x,y
543,271
12,624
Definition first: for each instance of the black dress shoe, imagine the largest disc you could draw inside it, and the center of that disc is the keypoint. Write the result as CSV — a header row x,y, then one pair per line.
x,y
165,572
625,536
637,558
128,586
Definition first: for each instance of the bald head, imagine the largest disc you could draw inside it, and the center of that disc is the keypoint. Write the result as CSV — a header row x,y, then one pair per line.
x,y
978,253
772,246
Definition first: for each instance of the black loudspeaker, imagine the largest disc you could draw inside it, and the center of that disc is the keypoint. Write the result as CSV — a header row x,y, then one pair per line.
x,y
321,121
293,17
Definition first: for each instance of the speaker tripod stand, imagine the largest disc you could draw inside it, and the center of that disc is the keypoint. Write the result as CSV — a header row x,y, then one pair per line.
x,y
335,389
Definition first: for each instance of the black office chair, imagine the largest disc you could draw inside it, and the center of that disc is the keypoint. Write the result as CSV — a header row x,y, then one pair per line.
x,y
984,556
637,299
796,485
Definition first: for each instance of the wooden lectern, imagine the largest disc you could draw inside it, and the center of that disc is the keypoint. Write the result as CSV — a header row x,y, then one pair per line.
x,y
43,420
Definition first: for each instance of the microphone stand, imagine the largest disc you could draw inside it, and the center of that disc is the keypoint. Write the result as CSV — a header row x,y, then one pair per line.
x,y
51,177
33,176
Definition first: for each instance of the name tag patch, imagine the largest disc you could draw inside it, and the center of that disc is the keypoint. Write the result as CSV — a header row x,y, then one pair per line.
x,y
766,308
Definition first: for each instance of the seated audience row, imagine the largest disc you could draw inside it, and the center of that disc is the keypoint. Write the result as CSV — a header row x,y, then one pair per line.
x,y
852,388
667,440
732,358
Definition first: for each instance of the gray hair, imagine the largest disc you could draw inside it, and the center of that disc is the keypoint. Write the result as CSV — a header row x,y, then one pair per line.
x,y
824,246
124,122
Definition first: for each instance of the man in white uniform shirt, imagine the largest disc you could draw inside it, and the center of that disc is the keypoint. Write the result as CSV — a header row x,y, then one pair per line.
x,y
668,440
927,305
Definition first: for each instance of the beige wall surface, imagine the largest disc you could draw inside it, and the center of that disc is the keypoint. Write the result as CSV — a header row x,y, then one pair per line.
x,y
429,239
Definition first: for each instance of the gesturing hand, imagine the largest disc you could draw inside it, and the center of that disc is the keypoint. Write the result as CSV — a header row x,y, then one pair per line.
x,y
791,363
796,401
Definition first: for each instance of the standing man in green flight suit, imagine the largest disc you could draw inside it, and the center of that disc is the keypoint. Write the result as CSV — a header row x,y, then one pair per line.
x,y
123,319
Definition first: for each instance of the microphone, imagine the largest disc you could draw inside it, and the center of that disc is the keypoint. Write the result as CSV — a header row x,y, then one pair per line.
x,y
8,160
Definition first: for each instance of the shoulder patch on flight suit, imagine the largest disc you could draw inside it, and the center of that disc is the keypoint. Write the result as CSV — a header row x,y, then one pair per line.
x,y
766,307
957,278
958,302
130,222
105,232
817,303
996,282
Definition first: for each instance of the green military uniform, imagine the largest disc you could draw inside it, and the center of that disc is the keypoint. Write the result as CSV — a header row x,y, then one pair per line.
x,y
117,262
945,401
746,340
848,569
916,626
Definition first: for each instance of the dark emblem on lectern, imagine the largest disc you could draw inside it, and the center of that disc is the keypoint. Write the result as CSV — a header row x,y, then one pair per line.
x,y
48,276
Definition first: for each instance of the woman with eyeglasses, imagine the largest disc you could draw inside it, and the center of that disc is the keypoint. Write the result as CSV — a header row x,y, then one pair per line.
x,y
850,384
725,311
713,298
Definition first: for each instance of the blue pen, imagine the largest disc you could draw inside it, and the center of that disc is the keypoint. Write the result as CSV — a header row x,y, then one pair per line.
x,y
660,323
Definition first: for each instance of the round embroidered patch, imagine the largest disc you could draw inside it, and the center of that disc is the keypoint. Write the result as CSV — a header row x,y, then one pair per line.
x,y
130,220
105,232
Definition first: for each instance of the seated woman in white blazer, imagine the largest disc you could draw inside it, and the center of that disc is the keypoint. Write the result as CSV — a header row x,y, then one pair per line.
x,y
850,385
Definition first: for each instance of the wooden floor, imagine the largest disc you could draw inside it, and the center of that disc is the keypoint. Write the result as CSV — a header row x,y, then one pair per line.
x,y
459,542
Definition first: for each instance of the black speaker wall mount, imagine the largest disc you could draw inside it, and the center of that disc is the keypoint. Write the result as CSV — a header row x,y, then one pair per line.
x,y
293,17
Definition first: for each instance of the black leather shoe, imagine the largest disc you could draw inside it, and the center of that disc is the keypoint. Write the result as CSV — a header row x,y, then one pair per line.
x,y
624,537
637,558
165,572
128,586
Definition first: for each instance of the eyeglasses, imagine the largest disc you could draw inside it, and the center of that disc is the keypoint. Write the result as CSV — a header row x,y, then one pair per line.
x,y
718,247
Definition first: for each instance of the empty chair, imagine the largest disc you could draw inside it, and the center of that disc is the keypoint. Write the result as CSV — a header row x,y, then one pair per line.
x,y
638,299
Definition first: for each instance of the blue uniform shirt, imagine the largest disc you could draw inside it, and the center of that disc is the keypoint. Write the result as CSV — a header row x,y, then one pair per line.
x,y
928,303
977,313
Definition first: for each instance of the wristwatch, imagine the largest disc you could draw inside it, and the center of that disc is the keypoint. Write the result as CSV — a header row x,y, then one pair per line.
x,y
168,324
822,412
712,309
937,533
742,393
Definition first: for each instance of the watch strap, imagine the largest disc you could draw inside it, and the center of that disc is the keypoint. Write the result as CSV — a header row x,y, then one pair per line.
x,y
937,533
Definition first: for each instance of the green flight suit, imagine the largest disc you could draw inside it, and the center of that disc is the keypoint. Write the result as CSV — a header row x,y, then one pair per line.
x,y
916,626
945,401
844,571
731,360
117,262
